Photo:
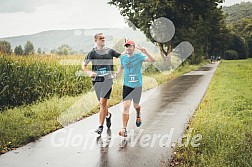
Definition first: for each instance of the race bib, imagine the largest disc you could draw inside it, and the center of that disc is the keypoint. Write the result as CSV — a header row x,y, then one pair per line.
x,y
132,78
102,71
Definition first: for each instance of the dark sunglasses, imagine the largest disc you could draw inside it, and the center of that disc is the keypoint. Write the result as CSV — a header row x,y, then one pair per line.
x,y
128,45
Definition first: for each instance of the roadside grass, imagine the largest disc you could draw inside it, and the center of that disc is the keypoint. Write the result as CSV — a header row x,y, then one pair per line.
x,y
24,124
224,119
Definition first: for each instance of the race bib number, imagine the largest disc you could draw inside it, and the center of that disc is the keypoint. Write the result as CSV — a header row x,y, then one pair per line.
x,y
102,71
132,78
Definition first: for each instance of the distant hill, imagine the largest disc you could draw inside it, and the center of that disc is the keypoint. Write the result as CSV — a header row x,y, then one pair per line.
x,y
81,40
237,12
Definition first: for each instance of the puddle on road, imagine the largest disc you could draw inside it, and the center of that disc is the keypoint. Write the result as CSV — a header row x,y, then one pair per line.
x,y
204,69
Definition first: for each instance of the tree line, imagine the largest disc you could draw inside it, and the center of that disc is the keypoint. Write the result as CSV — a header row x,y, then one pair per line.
x,y
238,19
5,48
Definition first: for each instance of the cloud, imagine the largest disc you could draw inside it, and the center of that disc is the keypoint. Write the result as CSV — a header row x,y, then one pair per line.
x,y
31,16
27,6
232,2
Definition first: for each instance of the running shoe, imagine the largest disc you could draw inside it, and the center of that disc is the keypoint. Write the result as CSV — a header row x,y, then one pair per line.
x,y
138,121
123,132
99,130
108,120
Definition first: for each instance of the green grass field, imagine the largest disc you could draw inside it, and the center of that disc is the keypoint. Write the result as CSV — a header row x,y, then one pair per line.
x,y
224,119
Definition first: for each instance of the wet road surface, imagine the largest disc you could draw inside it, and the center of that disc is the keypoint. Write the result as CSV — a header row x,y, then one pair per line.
x,y
165,112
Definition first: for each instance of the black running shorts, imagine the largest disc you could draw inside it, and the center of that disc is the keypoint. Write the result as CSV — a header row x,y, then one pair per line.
x,y
103,89
132,93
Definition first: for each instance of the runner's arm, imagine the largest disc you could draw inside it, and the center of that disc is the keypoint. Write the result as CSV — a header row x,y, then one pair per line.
x,y
119,71
89,73
149,58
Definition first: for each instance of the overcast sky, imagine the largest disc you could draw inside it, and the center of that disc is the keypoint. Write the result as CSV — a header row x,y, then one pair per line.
x,y
21,17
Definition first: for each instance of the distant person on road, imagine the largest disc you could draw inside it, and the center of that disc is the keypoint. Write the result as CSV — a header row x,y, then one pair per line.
x,y
131,64
211,59
102,76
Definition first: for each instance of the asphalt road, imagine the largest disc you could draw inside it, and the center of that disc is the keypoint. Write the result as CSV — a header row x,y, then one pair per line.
x,y
166,110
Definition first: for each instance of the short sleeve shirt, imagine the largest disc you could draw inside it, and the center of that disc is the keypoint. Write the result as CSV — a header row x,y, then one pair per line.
x,y
132,69
102,61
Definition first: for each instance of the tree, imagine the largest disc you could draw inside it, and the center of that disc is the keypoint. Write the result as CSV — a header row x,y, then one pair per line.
x,y
39,51
236,13
28,48
53,51
194,20
143,13
239,45
230,55
250,47
243,29
5,47
19,50
65,50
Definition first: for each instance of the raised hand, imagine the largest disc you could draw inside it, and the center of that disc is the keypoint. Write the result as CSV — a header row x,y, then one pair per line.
x,y
143,50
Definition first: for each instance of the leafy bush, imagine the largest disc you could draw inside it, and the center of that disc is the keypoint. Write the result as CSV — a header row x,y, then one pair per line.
x,y
230,55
